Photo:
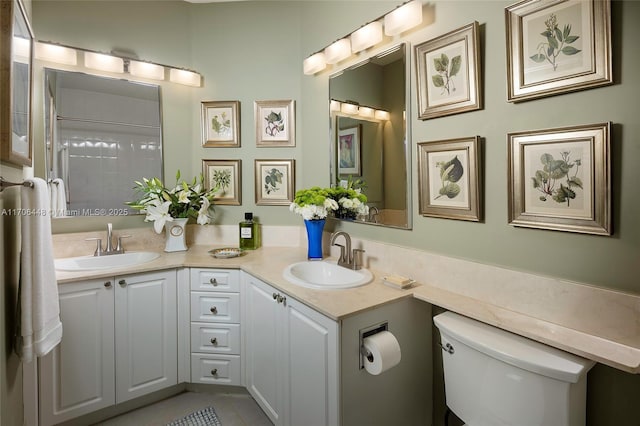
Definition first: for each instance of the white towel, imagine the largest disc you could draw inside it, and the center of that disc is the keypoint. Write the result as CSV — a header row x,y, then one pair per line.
x,y
40,326
61,197
53,198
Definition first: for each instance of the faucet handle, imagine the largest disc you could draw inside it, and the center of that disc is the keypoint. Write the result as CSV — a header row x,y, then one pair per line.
x,y
98,251
357,258
119,245
343,253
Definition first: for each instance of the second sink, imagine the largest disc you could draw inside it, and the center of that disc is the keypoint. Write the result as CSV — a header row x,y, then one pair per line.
x,y
325,275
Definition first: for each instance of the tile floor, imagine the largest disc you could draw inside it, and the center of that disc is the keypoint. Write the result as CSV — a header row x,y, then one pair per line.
x,y
233,409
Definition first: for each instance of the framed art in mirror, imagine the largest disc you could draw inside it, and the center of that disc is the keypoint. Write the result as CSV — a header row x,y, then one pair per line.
x,y
274,182
448,70
16,72
221,124
557,46
449,184
349,153
227,175
275,123
560,179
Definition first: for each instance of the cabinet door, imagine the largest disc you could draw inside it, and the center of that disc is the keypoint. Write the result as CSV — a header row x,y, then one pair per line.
x,y
311,360
77,377
264,368
146,333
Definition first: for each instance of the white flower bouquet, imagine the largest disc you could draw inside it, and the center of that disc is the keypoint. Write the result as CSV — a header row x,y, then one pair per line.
x,y
163,205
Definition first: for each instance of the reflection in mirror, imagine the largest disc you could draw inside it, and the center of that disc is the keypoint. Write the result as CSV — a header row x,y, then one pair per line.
x,y
369,105
102,135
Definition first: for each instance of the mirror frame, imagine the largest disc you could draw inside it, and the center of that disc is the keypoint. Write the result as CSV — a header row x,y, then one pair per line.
x,y
406,48
9,12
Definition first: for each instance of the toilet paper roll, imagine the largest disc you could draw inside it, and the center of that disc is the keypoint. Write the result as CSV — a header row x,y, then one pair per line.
x,y
383,352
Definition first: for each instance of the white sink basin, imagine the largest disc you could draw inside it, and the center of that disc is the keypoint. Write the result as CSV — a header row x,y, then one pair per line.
x,y
325,275
86,263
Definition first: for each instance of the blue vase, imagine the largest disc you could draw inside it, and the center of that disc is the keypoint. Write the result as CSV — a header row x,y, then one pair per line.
x,y
314,238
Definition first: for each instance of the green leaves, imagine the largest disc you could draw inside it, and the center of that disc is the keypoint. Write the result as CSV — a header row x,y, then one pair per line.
x,y
446,69
557,42
450,172
547,179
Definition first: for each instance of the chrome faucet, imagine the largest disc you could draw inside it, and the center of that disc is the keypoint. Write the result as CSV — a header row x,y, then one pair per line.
x,y
109,248
348,258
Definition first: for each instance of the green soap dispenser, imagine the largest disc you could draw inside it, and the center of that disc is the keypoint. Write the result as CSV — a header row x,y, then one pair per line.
x,y
249,233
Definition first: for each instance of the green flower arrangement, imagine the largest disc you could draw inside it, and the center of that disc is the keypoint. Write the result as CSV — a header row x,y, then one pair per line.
x,y
342,202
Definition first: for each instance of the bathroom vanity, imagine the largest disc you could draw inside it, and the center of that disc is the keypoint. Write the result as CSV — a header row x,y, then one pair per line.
x,y
187,318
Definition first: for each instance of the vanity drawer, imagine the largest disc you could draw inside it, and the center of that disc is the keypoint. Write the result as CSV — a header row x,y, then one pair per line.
x,y
215,307
220,369
215,279
215,338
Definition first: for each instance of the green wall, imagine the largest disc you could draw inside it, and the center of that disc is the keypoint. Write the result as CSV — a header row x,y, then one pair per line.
x,y
254,50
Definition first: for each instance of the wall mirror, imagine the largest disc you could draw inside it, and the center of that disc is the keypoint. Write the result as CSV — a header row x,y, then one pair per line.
x,y
102,134
369,103
16,59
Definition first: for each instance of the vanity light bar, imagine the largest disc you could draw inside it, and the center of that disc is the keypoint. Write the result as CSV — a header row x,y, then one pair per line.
x,y
363,111
68,55
406,16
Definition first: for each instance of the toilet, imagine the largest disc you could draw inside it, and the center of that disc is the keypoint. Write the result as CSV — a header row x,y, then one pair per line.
x,y
496,378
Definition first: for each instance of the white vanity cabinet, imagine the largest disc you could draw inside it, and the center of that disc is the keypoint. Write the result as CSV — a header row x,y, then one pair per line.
x,y
291,356
215,326
119,342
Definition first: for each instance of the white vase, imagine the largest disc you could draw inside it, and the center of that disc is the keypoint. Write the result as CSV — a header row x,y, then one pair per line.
x,y
175,232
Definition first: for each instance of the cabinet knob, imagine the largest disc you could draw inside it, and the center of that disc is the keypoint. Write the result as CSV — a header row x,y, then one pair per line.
x,y
214,341
275,296
214,310
214,372
107,284
214,282
281,299
123,283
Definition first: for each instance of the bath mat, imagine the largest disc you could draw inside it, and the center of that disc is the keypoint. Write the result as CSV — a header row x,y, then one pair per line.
x,y
205,417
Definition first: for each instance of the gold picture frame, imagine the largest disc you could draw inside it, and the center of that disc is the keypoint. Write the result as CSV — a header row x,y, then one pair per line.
x,y
228,175
274,182
449,183
448,71
275,123
556,46
560,179
221,124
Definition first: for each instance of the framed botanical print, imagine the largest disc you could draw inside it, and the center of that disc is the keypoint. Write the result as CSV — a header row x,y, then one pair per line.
x,y
557,46
275,123
560,179
449,184
448,70
274,182
220,124
349,151
227,176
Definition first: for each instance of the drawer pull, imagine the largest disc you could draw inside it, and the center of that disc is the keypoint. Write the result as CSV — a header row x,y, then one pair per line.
x,y
214,341
214,282
214,310
214,372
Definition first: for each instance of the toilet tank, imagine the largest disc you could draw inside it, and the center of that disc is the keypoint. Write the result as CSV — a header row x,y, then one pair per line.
x,y
496,378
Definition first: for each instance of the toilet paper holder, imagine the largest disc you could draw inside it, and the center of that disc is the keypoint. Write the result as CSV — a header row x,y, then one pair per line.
x,y
366,332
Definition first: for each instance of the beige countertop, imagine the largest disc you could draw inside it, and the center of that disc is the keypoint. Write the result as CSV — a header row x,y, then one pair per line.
x,y
617,348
